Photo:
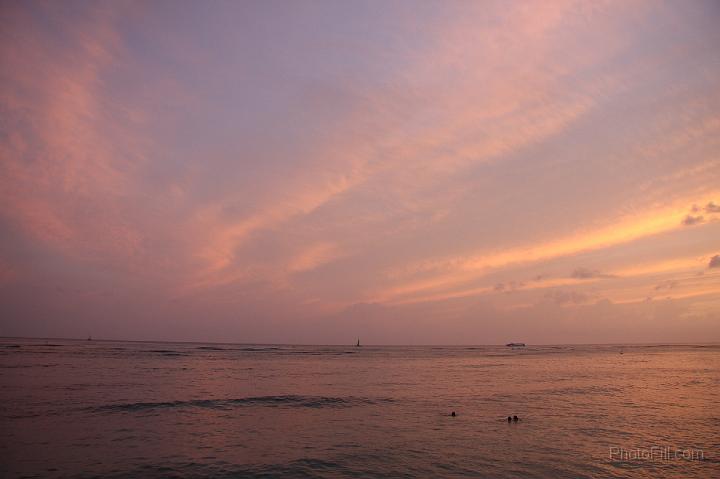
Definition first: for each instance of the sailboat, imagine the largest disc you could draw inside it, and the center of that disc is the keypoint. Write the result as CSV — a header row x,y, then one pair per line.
x,y
358,343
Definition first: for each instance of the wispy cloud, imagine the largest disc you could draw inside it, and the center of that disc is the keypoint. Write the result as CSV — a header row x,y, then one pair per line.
x,y
454,272
586,273
567,297
313,257
712,208
690,220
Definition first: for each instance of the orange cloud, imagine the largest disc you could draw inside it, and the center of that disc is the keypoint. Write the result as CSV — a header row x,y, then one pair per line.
x,y
314,256
451,273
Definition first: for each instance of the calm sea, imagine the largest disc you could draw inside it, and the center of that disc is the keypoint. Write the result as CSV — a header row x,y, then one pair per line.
x,y
128,409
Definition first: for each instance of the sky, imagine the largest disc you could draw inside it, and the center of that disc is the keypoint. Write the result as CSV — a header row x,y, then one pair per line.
x,y
406,172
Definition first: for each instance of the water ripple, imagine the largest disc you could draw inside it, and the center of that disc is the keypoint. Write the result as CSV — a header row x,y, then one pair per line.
x,y
224,404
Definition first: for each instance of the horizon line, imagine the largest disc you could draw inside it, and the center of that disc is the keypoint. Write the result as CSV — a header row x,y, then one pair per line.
x,y
352,344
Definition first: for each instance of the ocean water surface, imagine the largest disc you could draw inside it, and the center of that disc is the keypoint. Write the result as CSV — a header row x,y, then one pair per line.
x,y
134,409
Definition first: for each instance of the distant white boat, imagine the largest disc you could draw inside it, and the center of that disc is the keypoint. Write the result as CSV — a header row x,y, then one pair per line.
x,y
515,345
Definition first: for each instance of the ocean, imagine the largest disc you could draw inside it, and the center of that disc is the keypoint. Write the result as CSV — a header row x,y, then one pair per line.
x,y
142,409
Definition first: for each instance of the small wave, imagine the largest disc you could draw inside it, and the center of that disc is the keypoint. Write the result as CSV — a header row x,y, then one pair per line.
x,y
300,468
484,366
167,352
258,349
210,348
27,366
315,353
224,404
581,391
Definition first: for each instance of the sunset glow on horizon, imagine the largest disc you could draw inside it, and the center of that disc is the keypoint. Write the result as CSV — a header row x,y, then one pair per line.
x,y
403,172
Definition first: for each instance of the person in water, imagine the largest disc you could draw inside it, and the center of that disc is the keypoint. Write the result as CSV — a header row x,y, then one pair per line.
x,y
509,419
515,419
452,414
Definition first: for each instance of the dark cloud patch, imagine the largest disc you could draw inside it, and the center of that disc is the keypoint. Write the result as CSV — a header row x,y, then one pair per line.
x,y
670,284
567,297
587,273
509,286
712,208
692,220
714,261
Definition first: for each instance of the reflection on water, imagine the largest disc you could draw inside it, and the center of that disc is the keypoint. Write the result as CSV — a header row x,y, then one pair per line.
x,y
79,408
